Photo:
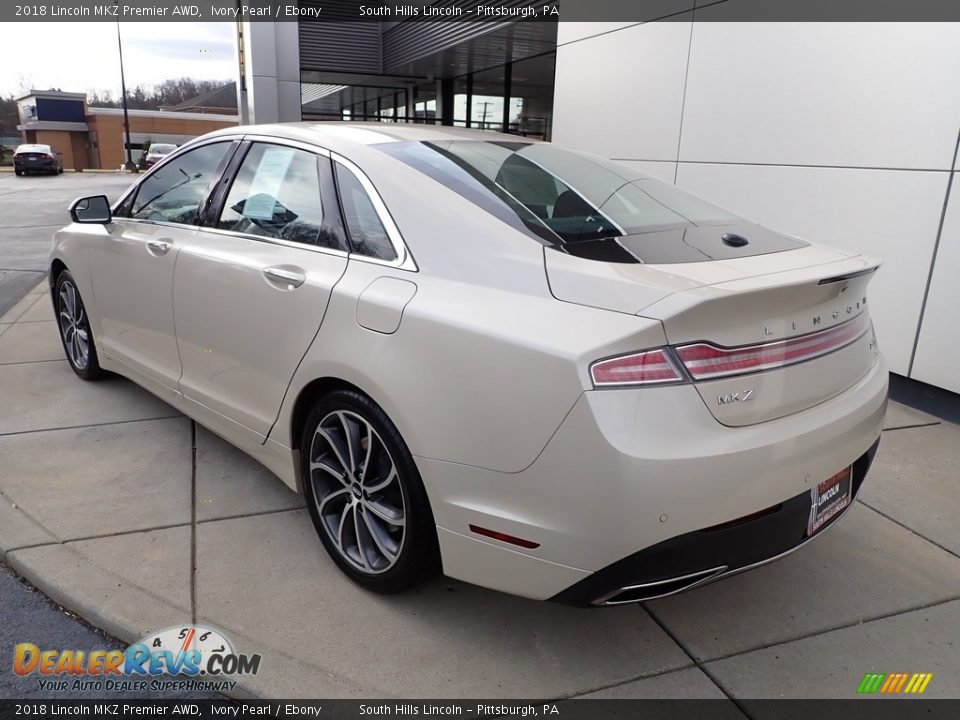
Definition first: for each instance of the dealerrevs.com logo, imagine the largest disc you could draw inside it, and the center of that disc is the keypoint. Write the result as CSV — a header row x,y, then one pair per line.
x,y
177,658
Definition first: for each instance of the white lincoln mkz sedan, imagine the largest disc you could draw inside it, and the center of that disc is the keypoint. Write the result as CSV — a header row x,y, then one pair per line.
x,y
539,370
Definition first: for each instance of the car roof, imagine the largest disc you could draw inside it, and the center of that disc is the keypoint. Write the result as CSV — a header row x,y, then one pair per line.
x,y
342,135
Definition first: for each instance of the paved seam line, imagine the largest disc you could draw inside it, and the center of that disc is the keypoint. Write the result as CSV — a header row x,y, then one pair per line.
x,y
910,529
90,425
121,533
104,536
256,513
52,592
14,320
5,495
193,521
28,362
618,683
913,427
695,661
816,633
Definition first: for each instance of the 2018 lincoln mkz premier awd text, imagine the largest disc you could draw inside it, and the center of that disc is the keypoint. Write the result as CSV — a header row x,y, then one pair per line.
x,y
539,370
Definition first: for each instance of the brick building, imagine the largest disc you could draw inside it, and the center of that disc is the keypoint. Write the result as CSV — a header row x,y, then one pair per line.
x,y
93,138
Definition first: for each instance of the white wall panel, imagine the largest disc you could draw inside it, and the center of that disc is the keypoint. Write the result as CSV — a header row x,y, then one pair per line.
x,y
892,215
661,170
620,94
586,9
938,352
847,94
568,32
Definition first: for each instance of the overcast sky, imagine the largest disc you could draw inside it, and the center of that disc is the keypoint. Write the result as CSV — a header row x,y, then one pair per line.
x,y
82,56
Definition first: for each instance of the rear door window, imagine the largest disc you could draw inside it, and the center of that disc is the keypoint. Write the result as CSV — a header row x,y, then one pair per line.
x,y
277,194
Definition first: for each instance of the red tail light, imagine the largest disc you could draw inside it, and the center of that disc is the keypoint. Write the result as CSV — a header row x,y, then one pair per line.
x,y
705,361
645,368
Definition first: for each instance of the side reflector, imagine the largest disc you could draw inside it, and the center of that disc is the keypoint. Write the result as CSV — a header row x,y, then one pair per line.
x,y
645,368
705,361
503,537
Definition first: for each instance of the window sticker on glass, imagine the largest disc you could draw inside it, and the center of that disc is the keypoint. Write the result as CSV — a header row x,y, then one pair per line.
x,y
266,183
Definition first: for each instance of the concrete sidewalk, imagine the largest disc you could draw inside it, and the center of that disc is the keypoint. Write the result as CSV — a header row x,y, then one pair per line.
x,y
125,512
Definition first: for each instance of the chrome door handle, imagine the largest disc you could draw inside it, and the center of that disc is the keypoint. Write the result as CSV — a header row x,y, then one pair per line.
x,y
158,247
285,277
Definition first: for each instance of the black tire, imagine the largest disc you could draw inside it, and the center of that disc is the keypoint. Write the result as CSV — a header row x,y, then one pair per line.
x,y
73,323
18,173
60,171
416,554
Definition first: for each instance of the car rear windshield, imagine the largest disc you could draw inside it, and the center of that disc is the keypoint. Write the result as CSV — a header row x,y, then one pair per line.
x,y
33,149
556,195
162,149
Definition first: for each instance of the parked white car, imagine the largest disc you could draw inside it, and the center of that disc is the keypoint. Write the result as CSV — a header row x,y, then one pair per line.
x,y
539,369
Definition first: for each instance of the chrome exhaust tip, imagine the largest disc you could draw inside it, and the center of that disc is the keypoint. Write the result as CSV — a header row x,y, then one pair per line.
x,y
660,588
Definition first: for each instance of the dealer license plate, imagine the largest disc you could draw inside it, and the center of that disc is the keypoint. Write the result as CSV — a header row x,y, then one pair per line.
x,y
829,499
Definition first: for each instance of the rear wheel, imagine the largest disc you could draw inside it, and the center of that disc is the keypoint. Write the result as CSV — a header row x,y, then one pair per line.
x,y
17,172
74,325
365,495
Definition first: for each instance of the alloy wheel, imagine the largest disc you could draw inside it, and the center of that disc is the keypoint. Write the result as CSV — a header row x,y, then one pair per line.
x,y
73,325
357,492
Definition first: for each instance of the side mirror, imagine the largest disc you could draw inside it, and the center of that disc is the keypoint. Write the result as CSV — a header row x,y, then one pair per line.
x,y
91,210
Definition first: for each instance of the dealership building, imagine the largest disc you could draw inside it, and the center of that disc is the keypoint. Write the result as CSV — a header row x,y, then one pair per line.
x,y
842,133
92,138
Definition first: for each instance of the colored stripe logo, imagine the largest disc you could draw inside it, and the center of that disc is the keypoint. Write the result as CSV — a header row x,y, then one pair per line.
x,y
894,683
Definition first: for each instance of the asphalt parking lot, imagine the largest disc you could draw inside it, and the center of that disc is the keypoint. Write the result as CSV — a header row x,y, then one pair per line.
x,y
31,209
126,513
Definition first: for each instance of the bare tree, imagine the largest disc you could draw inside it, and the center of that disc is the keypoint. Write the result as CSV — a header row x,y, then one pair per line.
x,y
145,97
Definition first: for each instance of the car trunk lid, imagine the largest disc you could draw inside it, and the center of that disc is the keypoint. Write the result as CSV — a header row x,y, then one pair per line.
x,y
759,302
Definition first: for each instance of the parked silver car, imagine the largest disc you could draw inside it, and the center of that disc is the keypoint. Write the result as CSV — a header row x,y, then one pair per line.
x,y
540,369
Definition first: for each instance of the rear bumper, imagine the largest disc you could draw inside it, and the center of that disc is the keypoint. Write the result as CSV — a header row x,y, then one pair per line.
x,y
45,165
630,470
697,558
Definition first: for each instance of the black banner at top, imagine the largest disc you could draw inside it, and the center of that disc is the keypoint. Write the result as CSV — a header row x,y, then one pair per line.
x,y
394,11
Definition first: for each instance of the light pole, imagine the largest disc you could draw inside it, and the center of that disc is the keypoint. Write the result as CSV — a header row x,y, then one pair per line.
x,y
129,166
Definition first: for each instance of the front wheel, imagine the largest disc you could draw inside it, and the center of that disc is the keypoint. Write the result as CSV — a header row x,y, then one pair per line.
x,y
74,325
365,495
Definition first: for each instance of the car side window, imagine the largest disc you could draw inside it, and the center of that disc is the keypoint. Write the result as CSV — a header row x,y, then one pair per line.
x,y
367,233
277,194
173,193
